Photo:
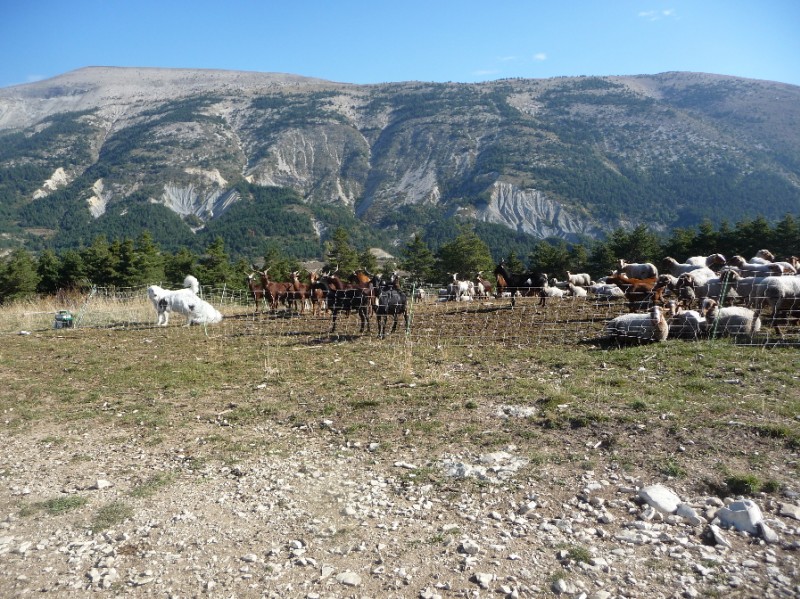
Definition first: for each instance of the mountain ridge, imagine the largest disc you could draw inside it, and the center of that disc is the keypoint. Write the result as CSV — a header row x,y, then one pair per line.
x,y
566,157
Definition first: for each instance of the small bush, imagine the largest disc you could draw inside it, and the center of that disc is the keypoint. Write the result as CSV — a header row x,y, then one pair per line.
x,y
745,484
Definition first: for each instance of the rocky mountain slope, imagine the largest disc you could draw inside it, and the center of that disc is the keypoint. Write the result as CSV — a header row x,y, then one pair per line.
x,y
564,157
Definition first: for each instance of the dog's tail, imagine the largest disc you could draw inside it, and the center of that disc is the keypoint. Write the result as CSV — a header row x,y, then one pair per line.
x,y
192,283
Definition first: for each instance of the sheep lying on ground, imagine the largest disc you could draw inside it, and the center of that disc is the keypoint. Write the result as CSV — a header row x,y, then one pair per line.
x,y
734,320
684,324
651,326
607,290
184,301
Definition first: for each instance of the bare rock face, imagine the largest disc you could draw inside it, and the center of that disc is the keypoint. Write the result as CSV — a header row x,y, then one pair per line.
x,y
531,211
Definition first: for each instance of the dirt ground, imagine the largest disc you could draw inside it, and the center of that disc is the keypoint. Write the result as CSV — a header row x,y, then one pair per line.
x,y
272,460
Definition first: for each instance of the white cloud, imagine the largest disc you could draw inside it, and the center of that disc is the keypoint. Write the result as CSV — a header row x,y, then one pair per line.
x,y
540,56
34,78
657,15
507,58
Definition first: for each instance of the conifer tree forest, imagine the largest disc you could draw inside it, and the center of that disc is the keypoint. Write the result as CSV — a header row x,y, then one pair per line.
x,y
124,262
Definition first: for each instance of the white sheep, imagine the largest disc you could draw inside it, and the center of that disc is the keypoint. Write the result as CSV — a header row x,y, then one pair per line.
x,y
635,270
756,269
577,290
762,257
608,290
782,294
581,279
461,291
745,288
552,291
710,260
651,326
184,301
734,320
684,324
703,281
677,269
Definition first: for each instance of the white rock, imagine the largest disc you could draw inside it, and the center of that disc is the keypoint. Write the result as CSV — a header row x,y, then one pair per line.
x,y
689,514
769,535
718,537
661,498
101,484
483,579
742,515
469,547
348,578
790,510
564,587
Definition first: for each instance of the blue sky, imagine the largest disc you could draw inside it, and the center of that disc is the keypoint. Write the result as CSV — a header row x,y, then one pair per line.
x,y
373,41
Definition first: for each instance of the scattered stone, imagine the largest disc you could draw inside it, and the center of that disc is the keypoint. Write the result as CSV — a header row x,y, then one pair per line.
x,y
564,587
469,547
790,510
714,534
348,578
483,579
766,533
406,465
689,514
661,498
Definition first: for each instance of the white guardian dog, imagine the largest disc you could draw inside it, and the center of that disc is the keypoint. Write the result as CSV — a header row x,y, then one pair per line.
x,y
183,301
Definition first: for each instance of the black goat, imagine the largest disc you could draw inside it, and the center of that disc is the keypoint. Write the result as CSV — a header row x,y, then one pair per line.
x,y
391,300
526,284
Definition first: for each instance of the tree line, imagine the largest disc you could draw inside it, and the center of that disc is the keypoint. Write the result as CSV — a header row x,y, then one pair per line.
x,y
136,262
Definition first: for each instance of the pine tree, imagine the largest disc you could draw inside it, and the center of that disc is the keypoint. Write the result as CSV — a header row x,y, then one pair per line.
x,y
214,267
148,261
72,271
514,264
100,262
787,236
367,261
418,260
18,278
177,267
339,253
126,274
466,255
549,258
47,268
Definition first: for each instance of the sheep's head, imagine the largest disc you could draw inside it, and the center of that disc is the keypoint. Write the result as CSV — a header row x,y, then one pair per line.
x,y
766,255
737,261
708,308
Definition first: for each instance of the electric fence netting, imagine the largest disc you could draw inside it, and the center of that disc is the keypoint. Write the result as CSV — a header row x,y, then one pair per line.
x,y
433,321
